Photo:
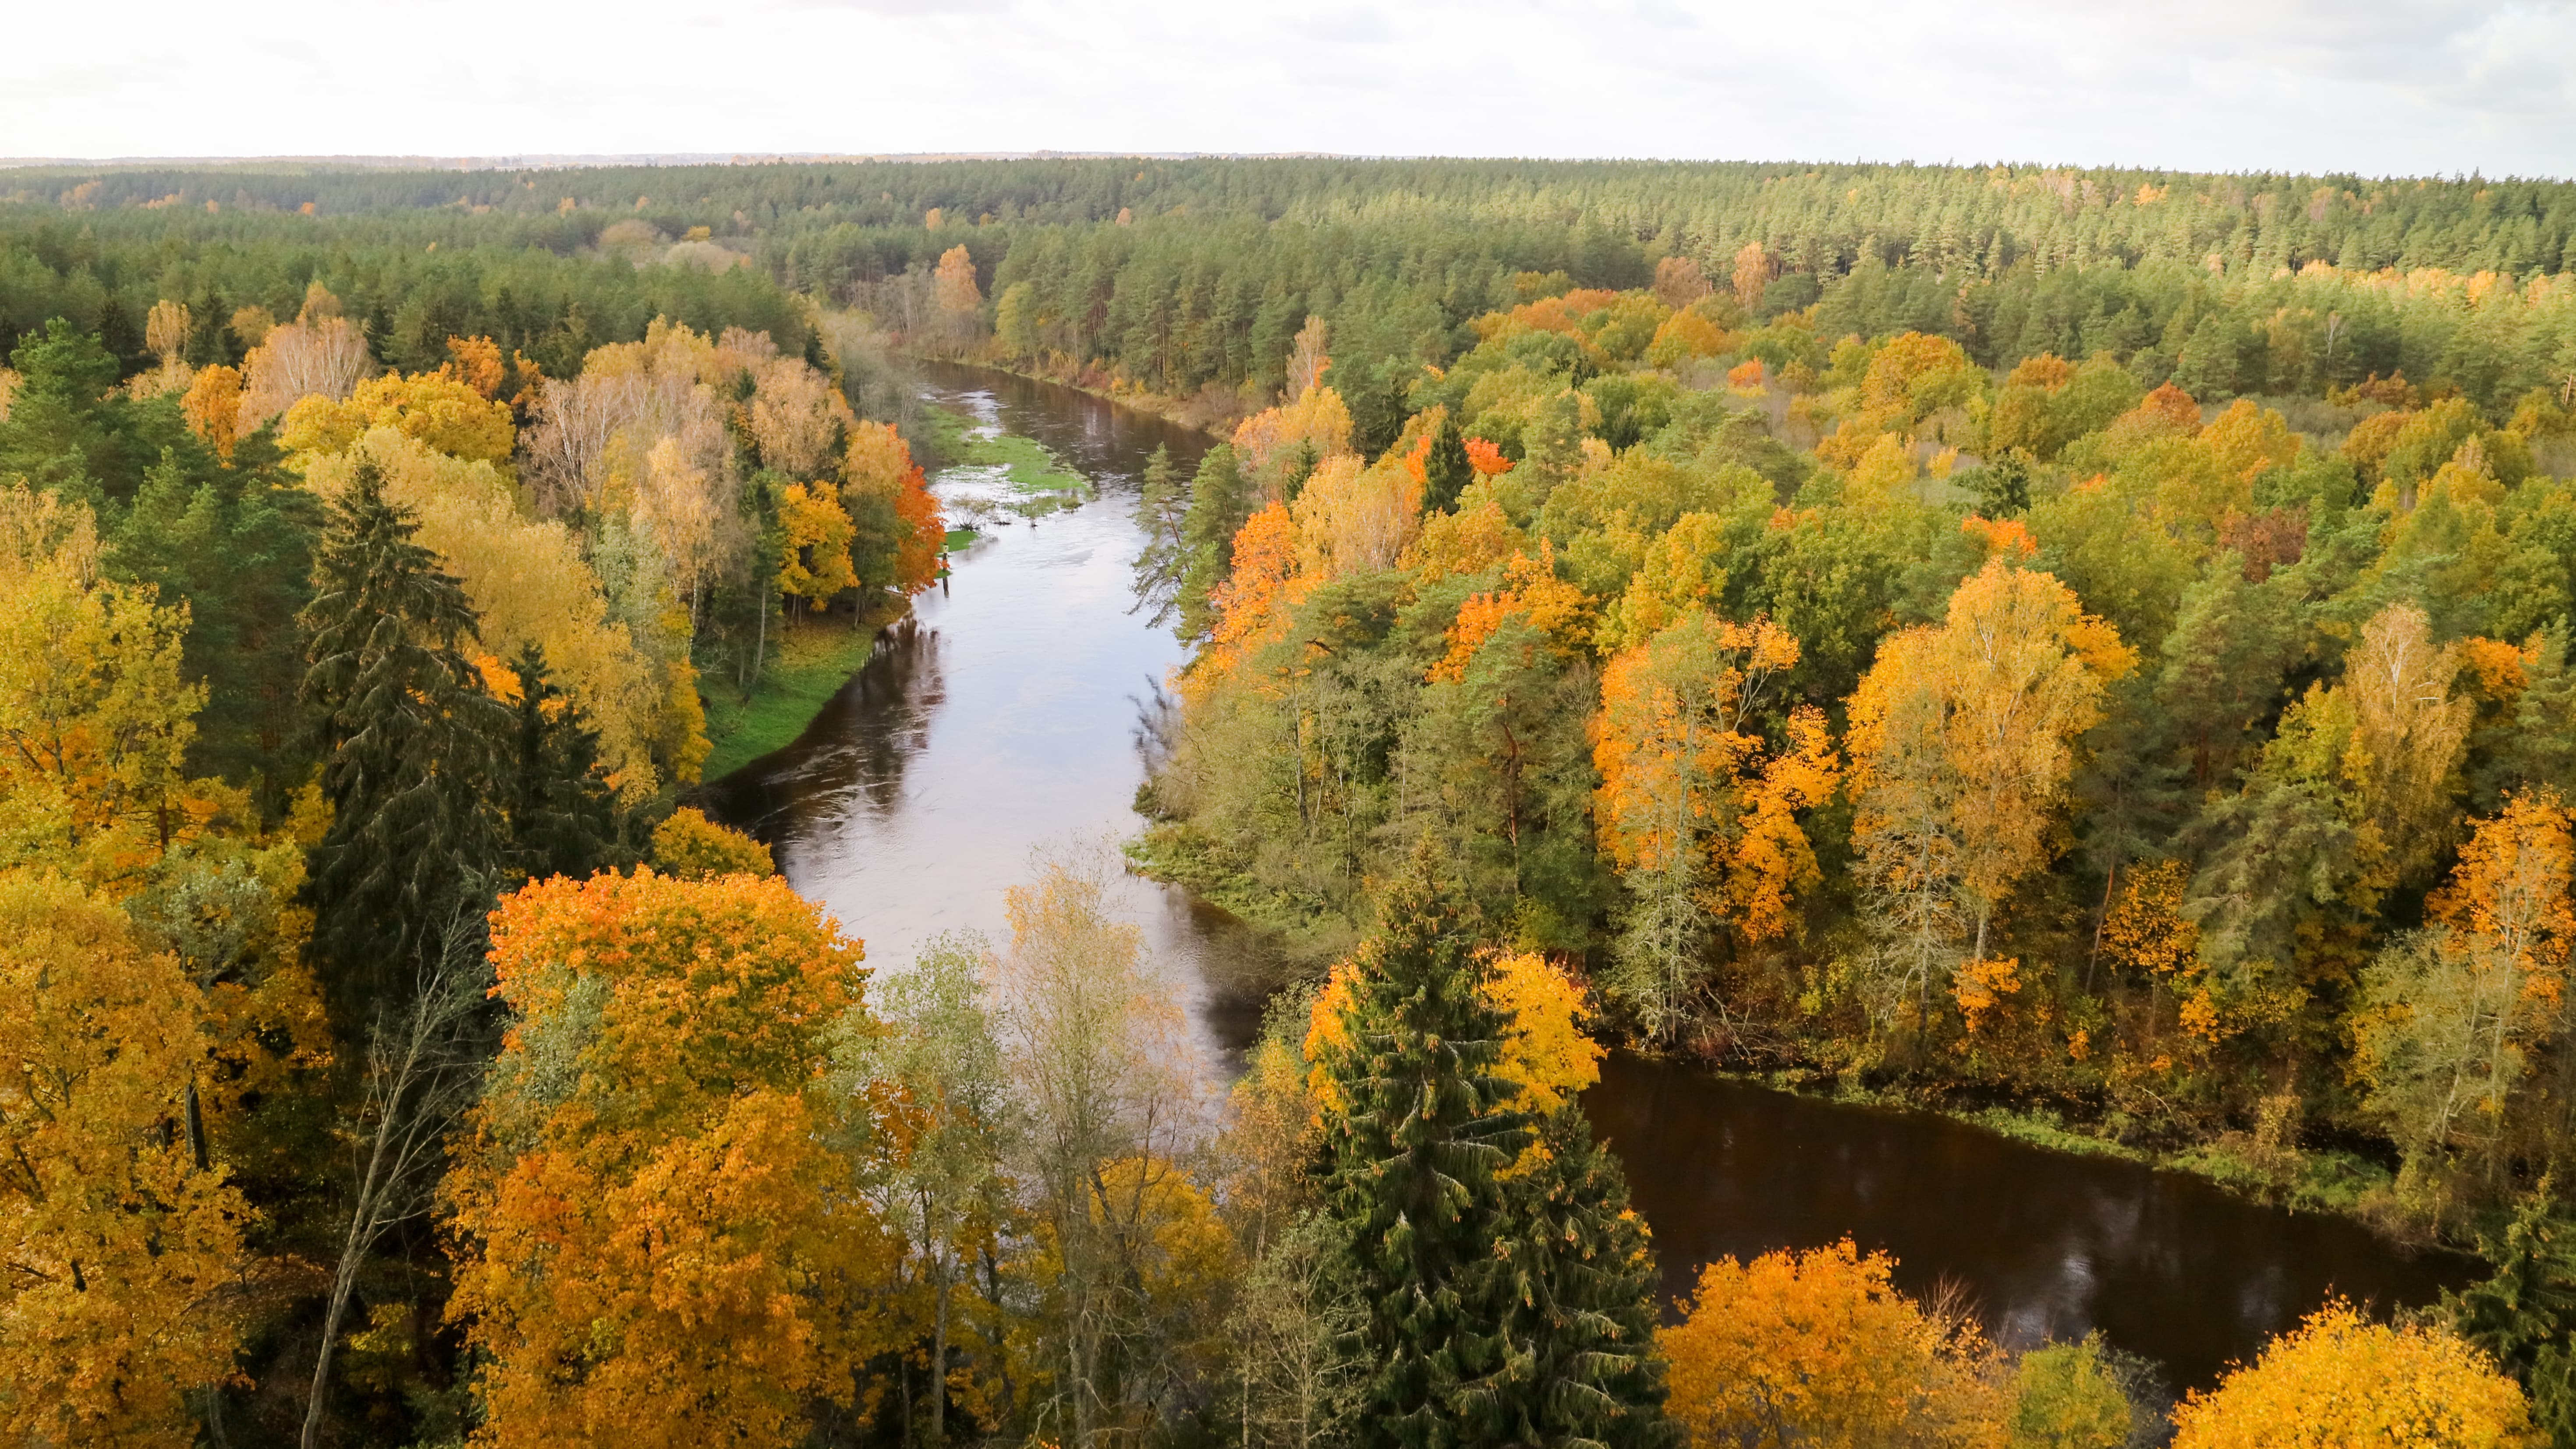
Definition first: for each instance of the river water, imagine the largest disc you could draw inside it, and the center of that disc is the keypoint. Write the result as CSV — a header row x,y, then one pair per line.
x,y
1002,720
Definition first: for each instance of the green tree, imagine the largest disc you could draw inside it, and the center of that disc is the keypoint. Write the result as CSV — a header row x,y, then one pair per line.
x,y
67,429
2525,1314
942,1059
1220,503
237,544
1582,1281
1413,1163
1445,470
1162,514
563,815
406,734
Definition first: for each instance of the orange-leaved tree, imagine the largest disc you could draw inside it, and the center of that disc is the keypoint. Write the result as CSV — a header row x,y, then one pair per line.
x,y
1820,1349
1696,807
1248,602
2341,1379
120,1242
1962,743
661,1241
880,482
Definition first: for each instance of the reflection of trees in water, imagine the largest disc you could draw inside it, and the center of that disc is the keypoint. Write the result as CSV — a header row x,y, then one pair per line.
x,y
852,756
856,750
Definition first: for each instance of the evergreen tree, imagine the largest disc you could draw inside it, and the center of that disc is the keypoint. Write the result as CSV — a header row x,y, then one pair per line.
x,y
406,733
1162,513
1446,472
2525,1314
1583,1279
66,427
1413,1160
563,815
238,547
1219,505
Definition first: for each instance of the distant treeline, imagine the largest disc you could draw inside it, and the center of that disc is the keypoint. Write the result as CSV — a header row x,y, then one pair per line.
x,y
1177,275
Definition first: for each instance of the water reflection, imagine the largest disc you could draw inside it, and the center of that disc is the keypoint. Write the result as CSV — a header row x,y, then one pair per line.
x,y
999,720
2047,1245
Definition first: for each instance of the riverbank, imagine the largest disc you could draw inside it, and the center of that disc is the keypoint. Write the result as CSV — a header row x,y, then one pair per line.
x,y
808,664
2254,1165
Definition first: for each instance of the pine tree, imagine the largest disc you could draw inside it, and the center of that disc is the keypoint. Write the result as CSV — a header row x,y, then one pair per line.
x,y
1445,470
1583,1280
563,815
1218,510
1413,1163
238,547
406,734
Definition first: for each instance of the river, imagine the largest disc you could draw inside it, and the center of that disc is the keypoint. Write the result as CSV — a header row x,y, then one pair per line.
x,y
1002,720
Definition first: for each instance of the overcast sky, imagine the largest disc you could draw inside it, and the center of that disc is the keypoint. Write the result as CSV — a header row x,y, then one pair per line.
x,y
2373,86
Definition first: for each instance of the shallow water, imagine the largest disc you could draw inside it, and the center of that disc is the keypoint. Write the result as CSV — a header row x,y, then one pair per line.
x,y
1002,720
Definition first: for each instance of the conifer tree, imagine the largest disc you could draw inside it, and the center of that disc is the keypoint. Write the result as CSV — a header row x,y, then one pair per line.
x,y
1162,512
1445,469
1583,1290
2525,1315
406,734
1413,1160
1219,507
563,816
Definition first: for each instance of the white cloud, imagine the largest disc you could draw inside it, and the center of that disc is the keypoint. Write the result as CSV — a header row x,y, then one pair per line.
x,y
2395,86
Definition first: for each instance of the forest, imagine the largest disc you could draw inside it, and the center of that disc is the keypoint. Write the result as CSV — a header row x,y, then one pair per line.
x,y
2087,643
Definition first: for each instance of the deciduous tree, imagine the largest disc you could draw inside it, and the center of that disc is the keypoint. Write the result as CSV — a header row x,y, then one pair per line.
x,y
120,1240
657,1241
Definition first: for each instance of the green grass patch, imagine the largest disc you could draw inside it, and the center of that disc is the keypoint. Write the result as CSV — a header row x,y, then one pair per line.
x,y
1025,461
959,537
808,664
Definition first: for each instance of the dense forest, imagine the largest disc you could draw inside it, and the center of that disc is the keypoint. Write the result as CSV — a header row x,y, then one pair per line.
x,y
2093,642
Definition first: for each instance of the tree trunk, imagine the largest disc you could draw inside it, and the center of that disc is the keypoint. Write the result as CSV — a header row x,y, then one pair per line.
x,y
939,1353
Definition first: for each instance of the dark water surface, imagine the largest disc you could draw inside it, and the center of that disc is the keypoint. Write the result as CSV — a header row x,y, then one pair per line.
x,y
2046,1244
1002,719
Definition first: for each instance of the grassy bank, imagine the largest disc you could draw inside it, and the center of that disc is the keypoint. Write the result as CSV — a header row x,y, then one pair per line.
x,y
808,664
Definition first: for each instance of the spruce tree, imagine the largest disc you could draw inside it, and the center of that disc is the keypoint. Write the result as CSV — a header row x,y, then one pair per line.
x,y
563,816
406,734
1446,471
1583,1299
1413,1160
2525,1314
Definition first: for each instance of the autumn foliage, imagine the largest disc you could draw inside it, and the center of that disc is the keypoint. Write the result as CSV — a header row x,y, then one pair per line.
x,y
2341,1379
658,1241
120,1246
1819,1348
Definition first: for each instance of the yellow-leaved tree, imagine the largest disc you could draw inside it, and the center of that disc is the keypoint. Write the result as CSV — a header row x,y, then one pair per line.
x,y
660,1239
95,720
1799,1349
2340,1379
1962,742
120,1242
